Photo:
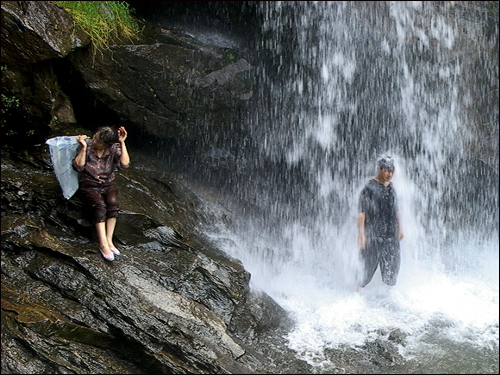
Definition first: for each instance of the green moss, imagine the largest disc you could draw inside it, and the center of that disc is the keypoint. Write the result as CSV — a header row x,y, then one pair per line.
x,y
493,7
106,22
231,56
9,104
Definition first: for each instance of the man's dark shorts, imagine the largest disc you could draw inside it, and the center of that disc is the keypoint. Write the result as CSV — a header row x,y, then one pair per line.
x,y
384,252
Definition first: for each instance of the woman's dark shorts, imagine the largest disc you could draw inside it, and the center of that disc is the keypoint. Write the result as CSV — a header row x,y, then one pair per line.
x,y
102,198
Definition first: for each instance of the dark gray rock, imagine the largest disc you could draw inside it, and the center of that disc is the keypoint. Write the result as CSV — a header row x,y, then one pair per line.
x,y
34,35
163,86
161,309
47,31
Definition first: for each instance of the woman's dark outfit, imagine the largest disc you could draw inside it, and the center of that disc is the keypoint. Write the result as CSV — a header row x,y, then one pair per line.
x,y
379,203
97,180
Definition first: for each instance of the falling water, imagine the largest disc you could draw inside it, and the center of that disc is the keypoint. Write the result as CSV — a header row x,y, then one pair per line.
x,y
339,84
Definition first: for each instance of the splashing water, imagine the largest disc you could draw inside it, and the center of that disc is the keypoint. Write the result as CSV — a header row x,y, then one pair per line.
x,y
341,84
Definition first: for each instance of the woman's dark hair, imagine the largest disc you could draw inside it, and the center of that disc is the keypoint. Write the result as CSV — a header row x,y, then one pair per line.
x,y
107,135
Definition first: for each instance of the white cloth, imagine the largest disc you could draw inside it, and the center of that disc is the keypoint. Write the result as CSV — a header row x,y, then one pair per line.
x,y
62,152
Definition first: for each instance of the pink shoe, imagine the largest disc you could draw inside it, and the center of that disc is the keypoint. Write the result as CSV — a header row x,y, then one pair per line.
x,y
114,250
109,257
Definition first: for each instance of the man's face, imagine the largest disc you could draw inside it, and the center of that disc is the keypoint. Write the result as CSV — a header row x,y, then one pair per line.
x,y
385,175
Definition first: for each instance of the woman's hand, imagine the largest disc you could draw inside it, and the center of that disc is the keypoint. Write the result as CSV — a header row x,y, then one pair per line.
x,y
122,134
80,157
81,139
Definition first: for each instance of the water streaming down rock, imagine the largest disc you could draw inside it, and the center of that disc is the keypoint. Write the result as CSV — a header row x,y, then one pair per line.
x,y
339,84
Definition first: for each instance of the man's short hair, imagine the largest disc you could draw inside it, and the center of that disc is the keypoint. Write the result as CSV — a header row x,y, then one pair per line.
x,y
386,162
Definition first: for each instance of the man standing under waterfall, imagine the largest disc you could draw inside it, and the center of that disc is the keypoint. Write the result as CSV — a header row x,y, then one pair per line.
x,y
379,226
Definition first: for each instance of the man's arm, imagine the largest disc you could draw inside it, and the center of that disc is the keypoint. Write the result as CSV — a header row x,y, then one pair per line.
x,y
361,230
400,226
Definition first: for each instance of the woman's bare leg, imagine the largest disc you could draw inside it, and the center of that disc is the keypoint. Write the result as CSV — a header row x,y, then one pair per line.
x,y
103,241
110,230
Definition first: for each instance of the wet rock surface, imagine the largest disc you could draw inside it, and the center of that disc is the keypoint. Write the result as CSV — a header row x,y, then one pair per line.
x,y
166,305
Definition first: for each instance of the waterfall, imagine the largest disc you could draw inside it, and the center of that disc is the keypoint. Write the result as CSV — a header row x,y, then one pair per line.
x,y
337,85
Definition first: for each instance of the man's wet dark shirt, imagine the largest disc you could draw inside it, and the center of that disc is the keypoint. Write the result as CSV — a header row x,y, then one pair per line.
x,y
379,203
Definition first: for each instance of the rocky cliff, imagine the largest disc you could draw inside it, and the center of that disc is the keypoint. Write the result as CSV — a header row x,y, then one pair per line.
x,y
173,302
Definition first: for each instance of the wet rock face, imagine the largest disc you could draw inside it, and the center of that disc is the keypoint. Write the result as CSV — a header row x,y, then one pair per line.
x,y
47,31
34,35
171,303
167,85
165,305
163,88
